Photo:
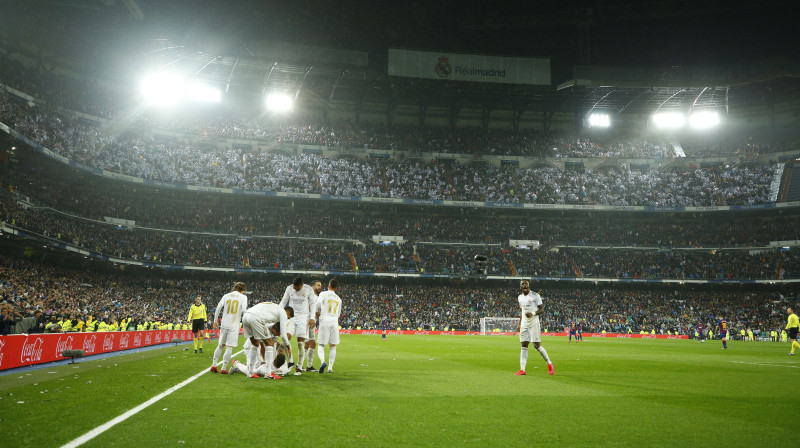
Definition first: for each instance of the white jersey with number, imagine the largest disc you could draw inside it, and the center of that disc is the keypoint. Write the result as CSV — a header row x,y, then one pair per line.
x,y
300,301
232,307
529,304
330,308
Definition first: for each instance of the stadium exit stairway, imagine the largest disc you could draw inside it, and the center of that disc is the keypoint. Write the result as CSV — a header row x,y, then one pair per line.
x,y
793,189
352,261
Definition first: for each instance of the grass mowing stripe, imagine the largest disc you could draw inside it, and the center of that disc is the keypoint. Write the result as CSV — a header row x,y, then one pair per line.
x,y
121,418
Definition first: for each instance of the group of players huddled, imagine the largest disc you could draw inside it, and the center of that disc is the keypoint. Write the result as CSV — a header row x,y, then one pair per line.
x,y
269,328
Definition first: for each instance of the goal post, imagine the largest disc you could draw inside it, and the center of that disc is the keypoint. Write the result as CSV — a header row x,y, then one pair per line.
x,y
491,325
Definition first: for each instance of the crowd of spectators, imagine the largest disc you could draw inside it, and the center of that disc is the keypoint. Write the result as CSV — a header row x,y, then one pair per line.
x,y
129,152
364,255
26,287
186,163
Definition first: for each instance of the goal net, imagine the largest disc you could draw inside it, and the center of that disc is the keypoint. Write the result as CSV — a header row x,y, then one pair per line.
x,y
491,325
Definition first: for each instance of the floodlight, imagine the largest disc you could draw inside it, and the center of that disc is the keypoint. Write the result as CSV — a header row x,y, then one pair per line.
x,y
162,89
200,92
599,121
704,119
669,120
279,102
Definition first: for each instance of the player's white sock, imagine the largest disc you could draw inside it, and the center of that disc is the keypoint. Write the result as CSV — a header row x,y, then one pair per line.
x,y
310,357
321,353
301,355
523,358
226,358
543,352
217,354
269,355
331,357
253,359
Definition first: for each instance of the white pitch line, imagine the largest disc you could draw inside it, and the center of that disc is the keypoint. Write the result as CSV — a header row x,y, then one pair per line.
x,y
772,364
121,418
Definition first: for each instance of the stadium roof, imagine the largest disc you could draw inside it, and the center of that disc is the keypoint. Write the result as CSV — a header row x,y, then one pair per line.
x,y
337,50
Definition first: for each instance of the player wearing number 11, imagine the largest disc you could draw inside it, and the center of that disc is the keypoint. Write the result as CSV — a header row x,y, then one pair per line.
x,y
232,306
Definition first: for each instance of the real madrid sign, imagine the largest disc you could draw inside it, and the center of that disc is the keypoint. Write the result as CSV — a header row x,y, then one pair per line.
x,y
466,67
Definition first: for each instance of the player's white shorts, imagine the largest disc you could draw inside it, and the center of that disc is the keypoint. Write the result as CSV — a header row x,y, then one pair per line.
x,y
328,333
532,333
228,337
298,327
254,329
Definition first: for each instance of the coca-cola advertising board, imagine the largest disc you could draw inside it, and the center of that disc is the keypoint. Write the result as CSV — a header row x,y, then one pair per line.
x,y
22,350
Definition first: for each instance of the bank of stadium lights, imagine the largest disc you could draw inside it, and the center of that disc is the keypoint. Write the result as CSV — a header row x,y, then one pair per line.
x,y
676,120
598,120
703,119
669,120
167,89
279,102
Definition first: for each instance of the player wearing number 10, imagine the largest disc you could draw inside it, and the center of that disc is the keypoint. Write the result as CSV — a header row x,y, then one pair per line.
x,y
329,307
232,306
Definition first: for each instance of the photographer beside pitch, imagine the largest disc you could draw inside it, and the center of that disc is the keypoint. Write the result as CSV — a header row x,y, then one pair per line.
x,y
529,328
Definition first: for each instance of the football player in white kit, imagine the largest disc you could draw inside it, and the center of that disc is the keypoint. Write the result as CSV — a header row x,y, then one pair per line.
x,y
232,306
261,365
300,297
311,341
529,328
330,308
257,322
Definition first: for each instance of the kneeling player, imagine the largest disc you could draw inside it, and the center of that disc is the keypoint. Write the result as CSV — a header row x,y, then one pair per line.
x,y
261,366
529,329
258,323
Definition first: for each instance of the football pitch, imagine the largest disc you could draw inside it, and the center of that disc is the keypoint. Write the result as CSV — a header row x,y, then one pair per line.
x,y
423,391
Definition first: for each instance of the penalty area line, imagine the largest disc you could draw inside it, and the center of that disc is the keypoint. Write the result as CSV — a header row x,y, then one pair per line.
x,y
131,412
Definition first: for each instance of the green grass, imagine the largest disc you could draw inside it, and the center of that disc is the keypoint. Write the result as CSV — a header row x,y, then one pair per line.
x,y
426,391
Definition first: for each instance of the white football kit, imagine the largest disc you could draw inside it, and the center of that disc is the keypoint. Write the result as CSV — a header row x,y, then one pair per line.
x,y
312,334
330,308
232,307
258,319
529,329
301,302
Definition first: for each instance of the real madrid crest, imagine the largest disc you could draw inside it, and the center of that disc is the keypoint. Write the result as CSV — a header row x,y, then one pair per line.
x,y
443,68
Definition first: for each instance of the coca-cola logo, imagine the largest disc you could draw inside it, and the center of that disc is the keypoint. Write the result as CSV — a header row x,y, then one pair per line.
x,y
123,341
623,335
158,337
147,339
66,344
648,336
448,332
369,332
137,340
394,332
422,332
674,337
31,351
2,344
108,343
89,344
598,335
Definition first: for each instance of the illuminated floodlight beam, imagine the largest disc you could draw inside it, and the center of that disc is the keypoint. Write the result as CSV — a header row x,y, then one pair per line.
x,y
704,119
279,102
669,120
200,92
599,120
162,89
